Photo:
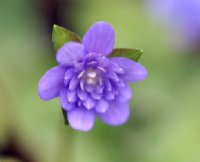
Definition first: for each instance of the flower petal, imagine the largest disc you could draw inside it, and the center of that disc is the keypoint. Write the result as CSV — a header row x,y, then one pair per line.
x,y
124,95
108,85
51,83
68,75
95,95
102,106
115,68
82,95
81,119
71,96
117,114
109,95
73,83
70,53
89,103
99,38
113,76
133,71
99,89
89,88
63,100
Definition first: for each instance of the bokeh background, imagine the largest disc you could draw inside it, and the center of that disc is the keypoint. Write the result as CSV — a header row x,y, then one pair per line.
x,y
164,125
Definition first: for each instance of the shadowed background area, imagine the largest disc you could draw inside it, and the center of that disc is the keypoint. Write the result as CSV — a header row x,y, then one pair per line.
x,y
164,124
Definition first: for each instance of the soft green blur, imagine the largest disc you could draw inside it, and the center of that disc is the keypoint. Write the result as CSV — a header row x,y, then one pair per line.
x,y
164,125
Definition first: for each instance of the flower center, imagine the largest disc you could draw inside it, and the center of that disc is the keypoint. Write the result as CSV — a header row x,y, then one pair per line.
x,y
91,76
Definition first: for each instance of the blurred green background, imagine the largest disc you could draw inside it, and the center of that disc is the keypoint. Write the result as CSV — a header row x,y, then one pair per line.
x,y
164,125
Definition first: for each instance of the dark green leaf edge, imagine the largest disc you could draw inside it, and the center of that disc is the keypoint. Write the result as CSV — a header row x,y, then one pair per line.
x,y
133,54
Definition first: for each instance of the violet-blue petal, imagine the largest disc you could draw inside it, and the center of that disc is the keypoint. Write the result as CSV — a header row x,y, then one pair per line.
x,y
89,103
63,100
120,83
96,96
103,61
111,75
117,114
103,70
108,85
71,96
99,38
82,95
115,68
81,119
124,94
92,64
82,84
70,53
68,75
109,95
102,106
73,83
51,83
89,88
99,89
133,71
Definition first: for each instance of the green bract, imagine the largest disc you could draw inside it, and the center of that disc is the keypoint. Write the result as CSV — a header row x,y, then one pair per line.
x,y
133,54
61,36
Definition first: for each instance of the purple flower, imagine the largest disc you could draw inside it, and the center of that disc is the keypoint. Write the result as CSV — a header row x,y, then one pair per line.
x,y
89,83
182,15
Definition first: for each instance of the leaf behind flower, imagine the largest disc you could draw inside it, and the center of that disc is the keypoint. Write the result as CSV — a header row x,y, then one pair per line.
x,y
133,54
60,36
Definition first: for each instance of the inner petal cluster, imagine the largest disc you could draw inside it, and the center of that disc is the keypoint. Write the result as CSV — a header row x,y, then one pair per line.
x,y
93,82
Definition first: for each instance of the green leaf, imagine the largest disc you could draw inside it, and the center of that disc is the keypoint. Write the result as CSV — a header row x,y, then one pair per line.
x,y
61,36
133,54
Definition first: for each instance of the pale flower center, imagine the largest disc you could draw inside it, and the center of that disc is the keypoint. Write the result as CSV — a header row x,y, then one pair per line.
x,y
91,76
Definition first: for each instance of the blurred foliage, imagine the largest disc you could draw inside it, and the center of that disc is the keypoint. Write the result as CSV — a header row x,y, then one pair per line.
x,y
164,125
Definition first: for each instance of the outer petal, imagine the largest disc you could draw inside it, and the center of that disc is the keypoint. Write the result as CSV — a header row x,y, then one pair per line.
x,y
51,83
70,53
125,94
99,38
117,114
81,119
133,71
63,100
